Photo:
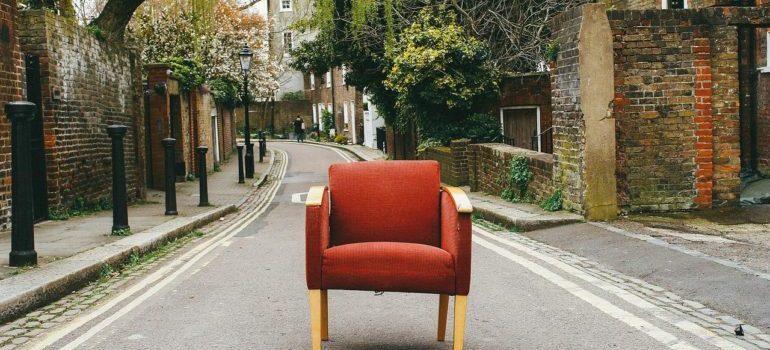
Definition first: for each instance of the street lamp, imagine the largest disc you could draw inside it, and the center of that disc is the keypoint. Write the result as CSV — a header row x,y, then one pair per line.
x,y
245,57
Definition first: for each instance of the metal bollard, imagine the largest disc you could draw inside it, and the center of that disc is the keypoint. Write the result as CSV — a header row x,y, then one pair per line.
x,y
22,222
262,147
203,176
241,177
168,146
119,198
250,160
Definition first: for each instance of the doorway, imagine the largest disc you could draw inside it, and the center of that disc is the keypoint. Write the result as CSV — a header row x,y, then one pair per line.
x,y
37,156
521,126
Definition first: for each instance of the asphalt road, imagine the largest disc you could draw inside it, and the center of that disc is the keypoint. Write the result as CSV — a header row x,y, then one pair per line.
x,y
247,291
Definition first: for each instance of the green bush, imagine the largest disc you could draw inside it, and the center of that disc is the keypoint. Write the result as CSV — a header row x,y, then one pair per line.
x,y
553,203
341,139
328,120
189,71
479,128
294,96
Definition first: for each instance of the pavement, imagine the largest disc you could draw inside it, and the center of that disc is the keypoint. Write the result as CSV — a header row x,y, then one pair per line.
x,y
72,251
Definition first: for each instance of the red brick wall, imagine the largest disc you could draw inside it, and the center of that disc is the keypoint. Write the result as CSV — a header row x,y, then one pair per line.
x,y
453,160
11,78
160,124
87,84
676,110
342,93
488,168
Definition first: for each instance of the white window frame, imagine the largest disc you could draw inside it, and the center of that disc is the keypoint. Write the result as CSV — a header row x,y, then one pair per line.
x,y
539,127
312,80
315,113
344,72
285,9
353,122
345,115
664,4
329,79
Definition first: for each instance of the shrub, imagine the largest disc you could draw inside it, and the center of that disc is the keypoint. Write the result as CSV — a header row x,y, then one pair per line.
x,y
519,176
341,139
553,203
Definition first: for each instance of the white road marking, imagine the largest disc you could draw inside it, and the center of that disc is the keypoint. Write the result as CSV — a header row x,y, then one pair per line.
x,y
692,237
603,305
632,299
297,198
227,243
186,261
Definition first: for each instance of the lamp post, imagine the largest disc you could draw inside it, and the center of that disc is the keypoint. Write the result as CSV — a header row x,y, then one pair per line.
x,y
246,55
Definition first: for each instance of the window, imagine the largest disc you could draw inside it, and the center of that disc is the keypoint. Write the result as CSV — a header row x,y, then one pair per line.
x,y
344,73
329,79
345,113
315,113
675,4
312,80
288,45
285,5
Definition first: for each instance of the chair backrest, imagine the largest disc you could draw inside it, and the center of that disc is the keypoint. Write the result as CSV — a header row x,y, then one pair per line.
x,y
385,201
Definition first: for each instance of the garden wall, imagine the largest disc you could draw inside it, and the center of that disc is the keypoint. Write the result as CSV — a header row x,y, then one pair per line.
x,y
488,168
453,160
87,84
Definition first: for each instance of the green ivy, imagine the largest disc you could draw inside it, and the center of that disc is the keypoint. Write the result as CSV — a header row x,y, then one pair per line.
x,y
225,92
328,120
552,51
190,72
519,176
553,203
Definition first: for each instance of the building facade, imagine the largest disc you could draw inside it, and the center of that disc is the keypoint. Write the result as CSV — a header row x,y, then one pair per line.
x,y
283,38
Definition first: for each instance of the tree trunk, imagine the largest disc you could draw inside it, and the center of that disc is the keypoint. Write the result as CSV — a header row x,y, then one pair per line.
x,y
115,17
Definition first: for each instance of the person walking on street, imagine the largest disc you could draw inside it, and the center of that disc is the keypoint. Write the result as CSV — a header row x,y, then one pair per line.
x,y
299,129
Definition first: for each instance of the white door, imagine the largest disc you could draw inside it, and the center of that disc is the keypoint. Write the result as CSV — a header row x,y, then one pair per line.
x,y
215,129
353,127
315,114
345,115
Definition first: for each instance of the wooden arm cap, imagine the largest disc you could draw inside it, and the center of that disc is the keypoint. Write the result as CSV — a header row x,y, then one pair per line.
x,y
460,198
315,196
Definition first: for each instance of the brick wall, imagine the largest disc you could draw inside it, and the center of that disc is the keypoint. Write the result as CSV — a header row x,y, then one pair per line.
x,y
453,160
488,166
11,77
87,85
342,93
676,110
568,123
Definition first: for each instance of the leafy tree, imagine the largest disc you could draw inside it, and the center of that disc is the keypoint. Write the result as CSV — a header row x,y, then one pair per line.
x,y
439,73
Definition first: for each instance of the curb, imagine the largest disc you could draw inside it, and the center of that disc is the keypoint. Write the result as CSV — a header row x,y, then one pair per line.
x,y
332,145
523,224
25,292
262,179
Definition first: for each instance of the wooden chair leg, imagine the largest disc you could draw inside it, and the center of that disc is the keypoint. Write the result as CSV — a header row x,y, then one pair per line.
x,y
324,315
443,306
315,318
461,306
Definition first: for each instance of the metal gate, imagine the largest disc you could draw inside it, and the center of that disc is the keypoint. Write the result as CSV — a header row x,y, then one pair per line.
x,y
37,156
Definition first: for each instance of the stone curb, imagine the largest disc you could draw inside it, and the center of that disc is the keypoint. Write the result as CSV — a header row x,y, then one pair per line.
x,y
523,224
25,292
262,179
350,151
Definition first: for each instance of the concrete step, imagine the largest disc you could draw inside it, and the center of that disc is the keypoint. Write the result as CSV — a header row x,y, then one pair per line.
x,y
518,216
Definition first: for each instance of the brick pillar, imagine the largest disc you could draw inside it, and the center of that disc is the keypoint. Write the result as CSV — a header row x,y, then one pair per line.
x,y
459,152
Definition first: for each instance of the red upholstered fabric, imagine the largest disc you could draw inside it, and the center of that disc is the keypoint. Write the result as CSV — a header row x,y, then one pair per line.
x,y
316,240
457,239
389,266
385,201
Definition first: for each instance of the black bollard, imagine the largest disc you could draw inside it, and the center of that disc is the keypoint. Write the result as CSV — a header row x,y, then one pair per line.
x,y
262,147
203,176
168,146
22,222
119,198
241,177
250,160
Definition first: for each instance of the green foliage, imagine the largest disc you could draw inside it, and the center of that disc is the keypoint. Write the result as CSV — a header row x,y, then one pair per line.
x,y
553,203
519,176
217,167
190,72
122,232
225,92
313,56
79,207
552,51
106,271
341,139
96,31
327,119
294,96
426,143
440,74
190,177
479,128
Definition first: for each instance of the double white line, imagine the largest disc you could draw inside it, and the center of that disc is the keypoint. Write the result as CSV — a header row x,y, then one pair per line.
x,y
162,276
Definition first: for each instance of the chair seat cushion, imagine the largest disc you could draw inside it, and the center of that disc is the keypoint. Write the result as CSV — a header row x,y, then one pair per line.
x,y
390,267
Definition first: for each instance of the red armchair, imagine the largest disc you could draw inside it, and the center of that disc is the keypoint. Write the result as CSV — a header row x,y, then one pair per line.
x,y
388,226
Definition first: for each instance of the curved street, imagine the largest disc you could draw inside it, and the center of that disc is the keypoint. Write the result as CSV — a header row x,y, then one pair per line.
x,y
244,288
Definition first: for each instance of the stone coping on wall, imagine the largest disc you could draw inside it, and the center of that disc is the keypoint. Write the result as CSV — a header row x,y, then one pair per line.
x,y
528,153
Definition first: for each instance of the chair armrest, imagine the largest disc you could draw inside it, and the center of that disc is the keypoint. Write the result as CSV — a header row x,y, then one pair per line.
x,y
460,199
316,234
456,235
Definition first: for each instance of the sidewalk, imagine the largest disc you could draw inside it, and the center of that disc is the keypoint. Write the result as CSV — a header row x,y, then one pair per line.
x,y
519,216
71,251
